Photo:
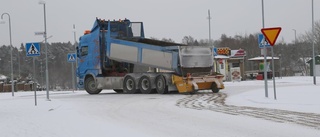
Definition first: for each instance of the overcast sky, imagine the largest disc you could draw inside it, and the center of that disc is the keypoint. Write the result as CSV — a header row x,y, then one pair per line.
x,y
162,18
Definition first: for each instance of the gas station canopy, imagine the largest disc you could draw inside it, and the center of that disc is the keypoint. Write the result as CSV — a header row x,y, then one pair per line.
x,y
262,58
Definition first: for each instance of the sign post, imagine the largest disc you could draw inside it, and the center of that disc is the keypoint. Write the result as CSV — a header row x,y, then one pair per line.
x,y
271,35
72,58
33,50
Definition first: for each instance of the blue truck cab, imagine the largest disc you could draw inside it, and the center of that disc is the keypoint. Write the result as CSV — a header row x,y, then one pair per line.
x,y
92,50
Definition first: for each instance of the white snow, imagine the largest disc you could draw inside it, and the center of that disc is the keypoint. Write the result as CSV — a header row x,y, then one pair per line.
x,y
109,114
292,93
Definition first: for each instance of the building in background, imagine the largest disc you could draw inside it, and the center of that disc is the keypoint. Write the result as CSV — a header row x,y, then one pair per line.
x,y
230,63
317,66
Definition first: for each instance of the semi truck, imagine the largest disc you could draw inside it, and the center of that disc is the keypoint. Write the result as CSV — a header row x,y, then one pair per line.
x,y
110,54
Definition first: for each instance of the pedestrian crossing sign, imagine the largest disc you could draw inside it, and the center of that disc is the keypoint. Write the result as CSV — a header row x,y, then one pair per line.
x,y
72,57
32,49
262,41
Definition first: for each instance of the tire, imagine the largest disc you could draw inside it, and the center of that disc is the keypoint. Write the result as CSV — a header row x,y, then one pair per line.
x,y
161,86
214,88
91,86
145,85
118,90
129,85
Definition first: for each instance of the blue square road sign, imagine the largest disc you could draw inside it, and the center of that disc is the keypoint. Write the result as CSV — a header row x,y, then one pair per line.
x,y
71,57
32,49
262,41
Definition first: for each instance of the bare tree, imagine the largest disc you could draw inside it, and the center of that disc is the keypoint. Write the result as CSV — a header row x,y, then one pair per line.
x,y
188,40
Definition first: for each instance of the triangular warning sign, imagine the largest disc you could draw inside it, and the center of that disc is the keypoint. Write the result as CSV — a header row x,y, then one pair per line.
x,y
271,34
33,50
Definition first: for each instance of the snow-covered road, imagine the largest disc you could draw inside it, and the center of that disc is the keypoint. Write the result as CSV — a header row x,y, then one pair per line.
x,y
109,114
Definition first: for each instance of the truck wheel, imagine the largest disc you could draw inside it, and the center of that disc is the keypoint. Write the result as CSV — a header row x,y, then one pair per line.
x,y
214,88
129,85
91,87
161,85
145,85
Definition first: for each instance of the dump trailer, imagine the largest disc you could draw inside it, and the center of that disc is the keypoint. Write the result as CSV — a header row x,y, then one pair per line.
x,y
112,54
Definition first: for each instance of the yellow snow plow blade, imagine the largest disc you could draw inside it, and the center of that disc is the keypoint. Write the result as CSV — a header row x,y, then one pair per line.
x,y
193,84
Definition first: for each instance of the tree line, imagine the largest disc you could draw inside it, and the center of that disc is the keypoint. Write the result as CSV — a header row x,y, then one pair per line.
x,y
293,56
59,68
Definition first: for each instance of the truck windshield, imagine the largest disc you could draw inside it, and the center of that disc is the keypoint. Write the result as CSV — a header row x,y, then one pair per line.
x,y
136,29
126,29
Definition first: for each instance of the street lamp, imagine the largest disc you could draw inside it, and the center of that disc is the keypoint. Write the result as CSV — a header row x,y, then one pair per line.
x,y
12,83
46,47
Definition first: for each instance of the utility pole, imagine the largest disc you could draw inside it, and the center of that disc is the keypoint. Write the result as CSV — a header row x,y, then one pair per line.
x,y
265,56
295,36
210,41
209,18
313,56
46,47
75,49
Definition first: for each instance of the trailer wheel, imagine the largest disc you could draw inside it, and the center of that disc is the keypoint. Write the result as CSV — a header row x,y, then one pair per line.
x,y
129,85
214,88
161,86
145,85
91,87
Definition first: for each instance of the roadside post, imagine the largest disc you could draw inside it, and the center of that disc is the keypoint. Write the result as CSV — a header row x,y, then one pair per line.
x,y
264,44
71,58
271,34
33,50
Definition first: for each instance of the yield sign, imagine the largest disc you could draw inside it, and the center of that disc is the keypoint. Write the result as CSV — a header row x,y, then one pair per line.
x,y
271,34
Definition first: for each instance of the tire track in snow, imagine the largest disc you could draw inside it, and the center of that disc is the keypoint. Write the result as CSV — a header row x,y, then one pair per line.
x,y
216,102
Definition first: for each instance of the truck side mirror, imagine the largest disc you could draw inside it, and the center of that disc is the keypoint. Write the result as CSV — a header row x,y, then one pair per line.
x,y
77,48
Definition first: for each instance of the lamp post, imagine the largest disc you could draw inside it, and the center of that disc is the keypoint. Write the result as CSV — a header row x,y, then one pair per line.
x,y
313,40
265,56
46,47
75,49
12,83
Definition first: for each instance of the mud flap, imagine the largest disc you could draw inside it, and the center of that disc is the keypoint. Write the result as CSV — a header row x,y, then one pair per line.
x,y
183,85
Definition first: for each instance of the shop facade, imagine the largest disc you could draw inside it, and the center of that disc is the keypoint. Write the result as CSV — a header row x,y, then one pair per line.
x,y
230,63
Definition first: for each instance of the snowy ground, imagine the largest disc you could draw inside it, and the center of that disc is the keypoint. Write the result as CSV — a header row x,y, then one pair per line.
x,y
292,93
240,110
